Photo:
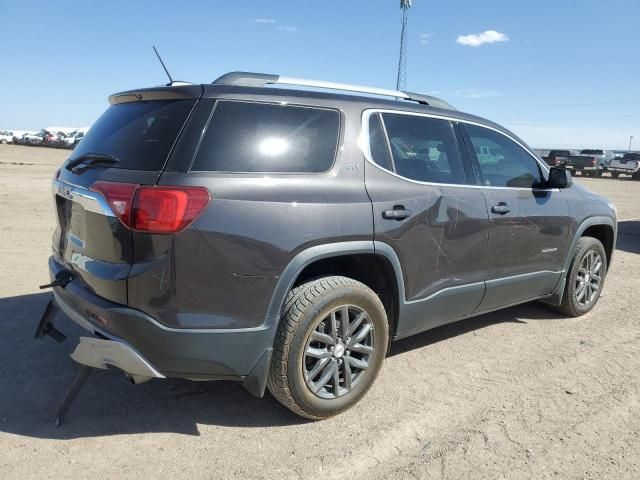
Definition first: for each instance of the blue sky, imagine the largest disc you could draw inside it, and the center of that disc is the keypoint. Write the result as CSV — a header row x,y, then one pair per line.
x,y
565,73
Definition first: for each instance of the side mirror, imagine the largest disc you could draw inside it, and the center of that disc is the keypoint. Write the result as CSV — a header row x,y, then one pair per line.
x,y
559,178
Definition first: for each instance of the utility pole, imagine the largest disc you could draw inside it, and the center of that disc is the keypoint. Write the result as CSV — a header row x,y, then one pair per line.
x,y
630,140
401,81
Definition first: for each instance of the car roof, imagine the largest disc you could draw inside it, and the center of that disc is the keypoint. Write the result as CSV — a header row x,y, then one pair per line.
x,y
325,99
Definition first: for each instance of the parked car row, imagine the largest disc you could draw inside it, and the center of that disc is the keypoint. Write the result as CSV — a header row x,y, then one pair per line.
x,y
6,137
49,138
595,162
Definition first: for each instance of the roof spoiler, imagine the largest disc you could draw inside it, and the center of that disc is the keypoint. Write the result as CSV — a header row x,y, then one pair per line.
x,y
249,79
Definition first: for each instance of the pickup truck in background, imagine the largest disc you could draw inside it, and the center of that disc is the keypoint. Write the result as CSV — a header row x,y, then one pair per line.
x,y
629,164
557,158
590,162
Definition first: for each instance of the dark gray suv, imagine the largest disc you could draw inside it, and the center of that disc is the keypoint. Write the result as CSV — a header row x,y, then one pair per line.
x,y
283,238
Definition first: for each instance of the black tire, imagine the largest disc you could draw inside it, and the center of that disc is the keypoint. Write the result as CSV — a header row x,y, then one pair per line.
x,y
570,305
615,174
306,308
635,176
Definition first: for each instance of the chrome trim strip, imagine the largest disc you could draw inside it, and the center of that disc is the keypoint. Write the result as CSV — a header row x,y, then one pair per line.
x,y
444,290
485,282
90,201
529,274
99,353
365,148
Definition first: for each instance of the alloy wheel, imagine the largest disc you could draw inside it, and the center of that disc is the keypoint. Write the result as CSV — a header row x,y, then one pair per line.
x,y
337,352
588,278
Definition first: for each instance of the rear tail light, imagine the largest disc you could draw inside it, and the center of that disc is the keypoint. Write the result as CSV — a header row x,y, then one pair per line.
x,y
153,209
593,161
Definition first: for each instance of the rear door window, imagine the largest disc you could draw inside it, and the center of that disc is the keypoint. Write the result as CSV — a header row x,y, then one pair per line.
x,y
268,138
424,149
503,163
140,135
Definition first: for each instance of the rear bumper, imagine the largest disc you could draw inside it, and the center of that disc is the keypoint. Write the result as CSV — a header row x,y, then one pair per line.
x,y
238,355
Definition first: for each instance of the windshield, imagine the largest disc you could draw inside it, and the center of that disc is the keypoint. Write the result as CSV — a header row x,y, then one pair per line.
x,y
140,135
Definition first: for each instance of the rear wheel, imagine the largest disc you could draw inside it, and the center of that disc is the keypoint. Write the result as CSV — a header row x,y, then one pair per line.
x,y
615,174
585,278
329,348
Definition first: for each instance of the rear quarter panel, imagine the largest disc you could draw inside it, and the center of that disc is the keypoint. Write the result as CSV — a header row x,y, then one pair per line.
x,y
221,272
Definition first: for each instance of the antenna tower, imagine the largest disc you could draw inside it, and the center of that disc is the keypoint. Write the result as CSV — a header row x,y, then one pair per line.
x,y
401,82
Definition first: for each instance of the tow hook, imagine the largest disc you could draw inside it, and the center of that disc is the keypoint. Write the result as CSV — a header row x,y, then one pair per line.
x,y
62,279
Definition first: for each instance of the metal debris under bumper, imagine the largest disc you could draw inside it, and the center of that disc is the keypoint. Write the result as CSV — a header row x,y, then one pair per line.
x,y
101,353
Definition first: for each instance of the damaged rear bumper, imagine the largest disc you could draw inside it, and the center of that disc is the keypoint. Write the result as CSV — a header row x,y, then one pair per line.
x,y
134,342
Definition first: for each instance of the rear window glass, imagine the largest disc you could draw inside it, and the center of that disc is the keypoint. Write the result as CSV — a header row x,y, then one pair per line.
x,y
260,137
631,156
592,152
140,135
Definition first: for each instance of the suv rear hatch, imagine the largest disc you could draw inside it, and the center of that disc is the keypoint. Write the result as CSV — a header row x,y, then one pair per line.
x,y
129,144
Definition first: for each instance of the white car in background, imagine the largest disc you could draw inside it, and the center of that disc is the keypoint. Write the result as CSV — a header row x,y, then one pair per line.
x,y
71,139
6,137
33,138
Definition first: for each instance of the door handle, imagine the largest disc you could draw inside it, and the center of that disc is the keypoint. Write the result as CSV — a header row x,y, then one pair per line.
x,y
398,212
501,208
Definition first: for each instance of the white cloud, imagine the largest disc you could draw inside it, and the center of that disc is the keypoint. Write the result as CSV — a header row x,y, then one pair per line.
x,y
287,28
424,38
478,39
476,93
263,20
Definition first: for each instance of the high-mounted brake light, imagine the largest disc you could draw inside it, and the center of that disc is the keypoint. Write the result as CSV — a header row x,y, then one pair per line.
x,y
154,209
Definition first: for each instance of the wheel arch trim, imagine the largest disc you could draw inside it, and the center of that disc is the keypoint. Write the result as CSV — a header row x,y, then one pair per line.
x,y
320,252
595,221
599,220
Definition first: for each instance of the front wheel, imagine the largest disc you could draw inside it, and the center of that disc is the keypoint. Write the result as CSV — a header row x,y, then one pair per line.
x,y
329,348
585,278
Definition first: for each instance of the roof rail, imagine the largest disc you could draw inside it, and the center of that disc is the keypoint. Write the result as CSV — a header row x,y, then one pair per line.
x,y
249,79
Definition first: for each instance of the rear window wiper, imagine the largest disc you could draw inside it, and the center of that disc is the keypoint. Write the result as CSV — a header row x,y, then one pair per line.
x,y
91,158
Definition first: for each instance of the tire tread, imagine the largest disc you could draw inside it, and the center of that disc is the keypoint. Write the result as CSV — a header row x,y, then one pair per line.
x,y
298,301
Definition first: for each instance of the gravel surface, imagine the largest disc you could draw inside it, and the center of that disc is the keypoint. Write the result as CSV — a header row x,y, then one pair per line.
x,y
521,393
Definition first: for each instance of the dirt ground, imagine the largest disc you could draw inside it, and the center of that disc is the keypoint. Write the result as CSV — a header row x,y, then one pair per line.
x,y
521,393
